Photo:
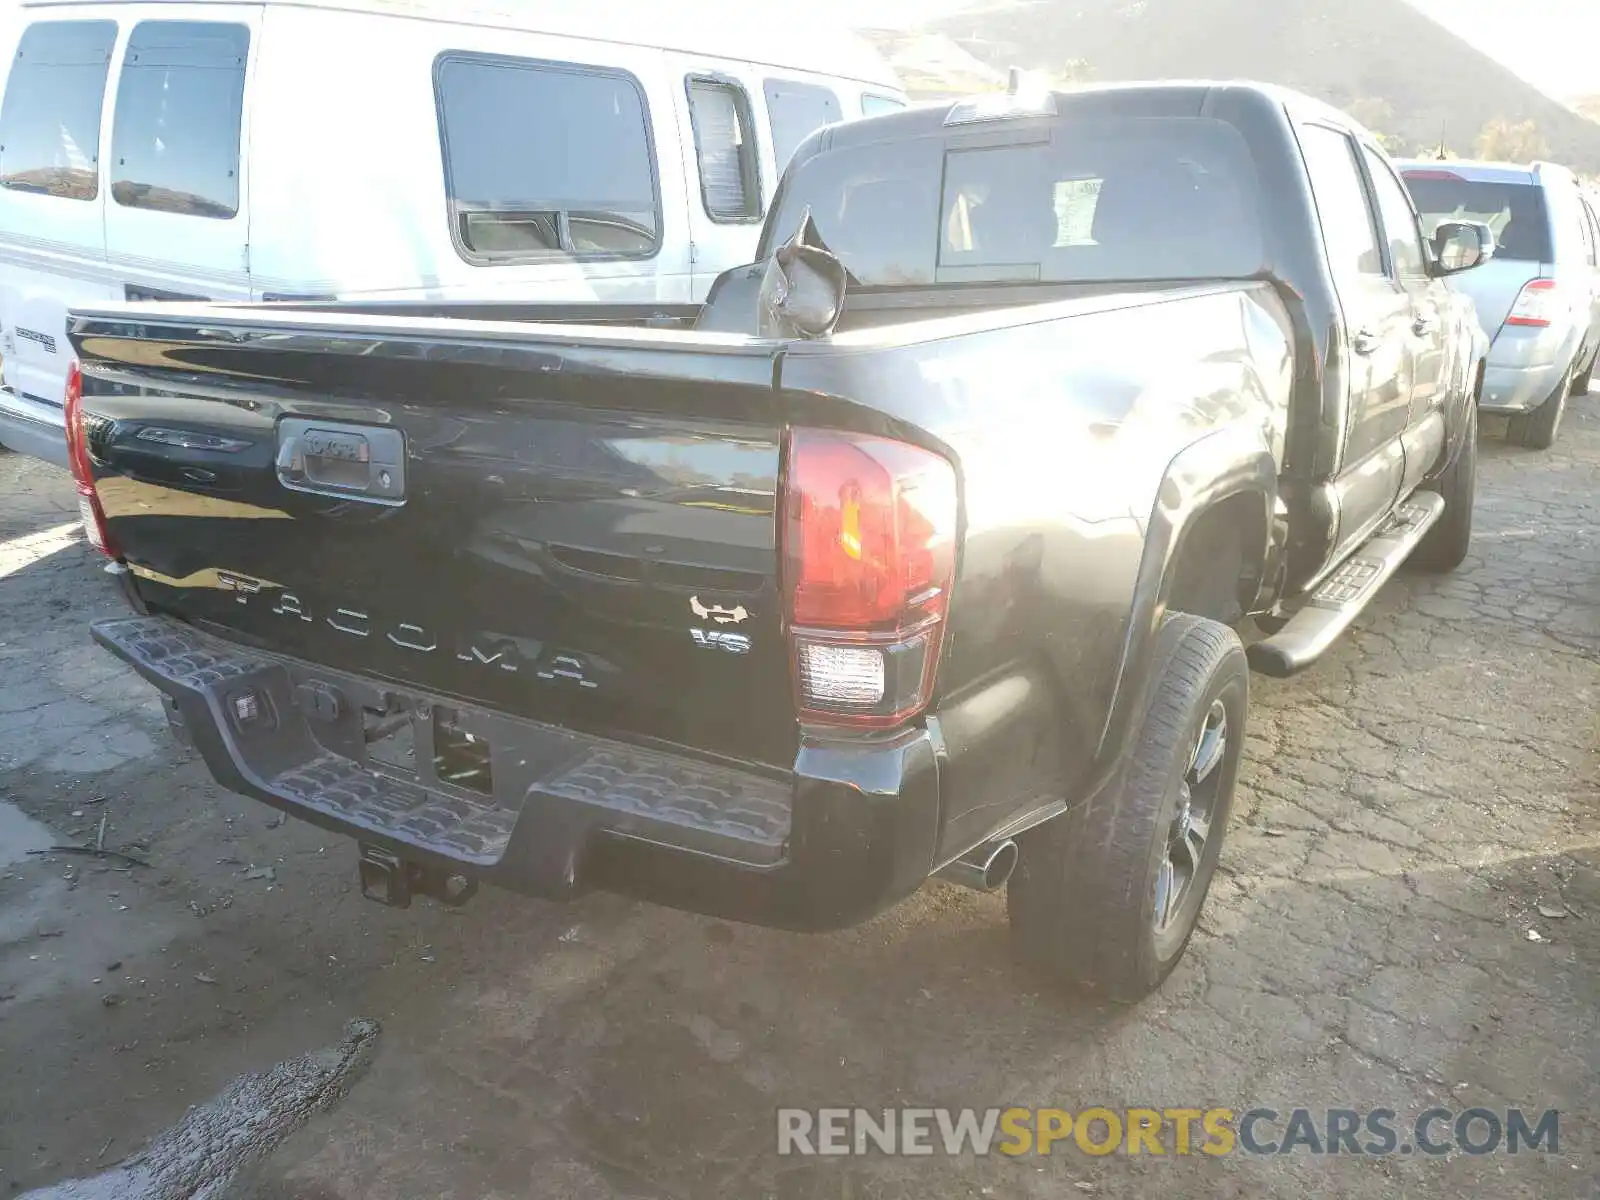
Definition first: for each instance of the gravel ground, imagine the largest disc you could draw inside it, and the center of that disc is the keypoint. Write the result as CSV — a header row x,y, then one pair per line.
x,y
1408,917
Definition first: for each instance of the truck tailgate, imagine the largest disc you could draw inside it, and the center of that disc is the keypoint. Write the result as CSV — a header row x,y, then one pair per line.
x,y
576,527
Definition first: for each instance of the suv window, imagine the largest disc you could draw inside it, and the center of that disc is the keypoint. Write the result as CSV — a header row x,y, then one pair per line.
x,y
1514,211
725,148
796,111
873,105
175,138
546,160
1342,206
1399,220
1092,200
50,121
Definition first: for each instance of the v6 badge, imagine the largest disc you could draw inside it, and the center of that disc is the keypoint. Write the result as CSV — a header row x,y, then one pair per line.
x,y
716,639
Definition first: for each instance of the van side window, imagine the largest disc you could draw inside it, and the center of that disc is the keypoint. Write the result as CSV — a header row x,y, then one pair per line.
x,y
50,121
874,105
797,110
175,137
725,145
546,160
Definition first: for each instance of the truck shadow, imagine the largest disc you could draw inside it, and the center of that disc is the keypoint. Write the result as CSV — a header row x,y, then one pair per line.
x,y
648,1055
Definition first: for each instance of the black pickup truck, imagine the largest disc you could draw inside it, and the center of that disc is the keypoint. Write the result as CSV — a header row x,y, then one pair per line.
x,y
919,550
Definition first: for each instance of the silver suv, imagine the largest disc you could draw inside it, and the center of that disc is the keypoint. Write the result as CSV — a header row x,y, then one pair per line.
x,y
1538,298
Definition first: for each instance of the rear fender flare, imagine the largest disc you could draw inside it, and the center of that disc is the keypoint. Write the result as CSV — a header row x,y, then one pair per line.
x,y
1232,462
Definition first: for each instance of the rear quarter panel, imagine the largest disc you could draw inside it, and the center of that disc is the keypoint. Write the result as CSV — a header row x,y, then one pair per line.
x,y
1086,434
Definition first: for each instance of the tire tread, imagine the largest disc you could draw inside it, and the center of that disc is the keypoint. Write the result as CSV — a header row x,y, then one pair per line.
x,y
1076,901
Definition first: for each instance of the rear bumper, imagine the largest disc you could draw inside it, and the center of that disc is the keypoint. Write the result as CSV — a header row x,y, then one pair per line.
x,y
1518,389
1525,367
27,433
849,833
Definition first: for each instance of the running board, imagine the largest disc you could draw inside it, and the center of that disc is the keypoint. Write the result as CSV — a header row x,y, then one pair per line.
x,y
1345,594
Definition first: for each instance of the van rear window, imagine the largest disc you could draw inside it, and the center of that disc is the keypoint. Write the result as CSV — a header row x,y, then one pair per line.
x,y
546,160
175,138
1515,211
50,121
1141,199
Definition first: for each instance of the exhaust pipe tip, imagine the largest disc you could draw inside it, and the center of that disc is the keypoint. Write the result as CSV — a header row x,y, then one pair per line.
x,y
998,866
985,869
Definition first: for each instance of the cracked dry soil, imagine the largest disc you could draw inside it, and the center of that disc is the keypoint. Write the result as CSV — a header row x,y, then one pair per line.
x,y
1411,809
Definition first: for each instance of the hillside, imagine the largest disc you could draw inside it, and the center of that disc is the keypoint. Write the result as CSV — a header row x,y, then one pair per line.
x,y
933,67
1395,69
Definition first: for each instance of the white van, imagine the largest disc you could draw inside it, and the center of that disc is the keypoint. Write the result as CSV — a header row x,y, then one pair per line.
x,y
564,150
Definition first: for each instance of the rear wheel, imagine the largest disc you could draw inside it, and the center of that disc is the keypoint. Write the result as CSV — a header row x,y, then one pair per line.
x,y
1445,545
1537,429
1106,897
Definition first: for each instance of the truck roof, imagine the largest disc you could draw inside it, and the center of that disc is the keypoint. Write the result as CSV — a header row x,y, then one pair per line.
x,y
718,28
1167,98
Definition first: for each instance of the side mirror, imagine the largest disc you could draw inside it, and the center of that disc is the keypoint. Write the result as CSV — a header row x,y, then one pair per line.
x,y
1461,245
802,290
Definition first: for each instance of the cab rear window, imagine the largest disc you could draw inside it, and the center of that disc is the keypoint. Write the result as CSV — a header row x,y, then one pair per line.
x,y
1515,211
1089,200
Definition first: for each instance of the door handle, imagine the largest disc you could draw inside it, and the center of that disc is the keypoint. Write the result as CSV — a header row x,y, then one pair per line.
x,y
332,458
1423,326
1364,341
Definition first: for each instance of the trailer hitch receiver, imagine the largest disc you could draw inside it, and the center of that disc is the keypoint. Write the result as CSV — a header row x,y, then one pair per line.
x,y
392,881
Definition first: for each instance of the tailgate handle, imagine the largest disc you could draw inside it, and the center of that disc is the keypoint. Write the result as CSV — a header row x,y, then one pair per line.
x,y
332,458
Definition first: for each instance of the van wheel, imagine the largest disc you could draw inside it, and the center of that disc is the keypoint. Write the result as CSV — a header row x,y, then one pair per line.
x,y
1537,429
1445,545
1106,897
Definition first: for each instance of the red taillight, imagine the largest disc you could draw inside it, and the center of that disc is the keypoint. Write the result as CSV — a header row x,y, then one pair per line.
x,y
869,550
1537,305
94,518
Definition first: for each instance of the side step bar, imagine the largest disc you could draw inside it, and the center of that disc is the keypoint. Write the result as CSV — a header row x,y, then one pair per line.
x,y
1345,594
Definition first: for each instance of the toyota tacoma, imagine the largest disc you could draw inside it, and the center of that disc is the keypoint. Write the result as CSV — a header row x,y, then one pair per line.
x,y
921,549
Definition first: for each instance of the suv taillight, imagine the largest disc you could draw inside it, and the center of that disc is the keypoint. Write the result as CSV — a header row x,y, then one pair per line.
x,y
94,517
1537,305
869,560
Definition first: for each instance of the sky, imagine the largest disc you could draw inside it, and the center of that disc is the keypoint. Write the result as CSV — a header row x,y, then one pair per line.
x,y
1554,44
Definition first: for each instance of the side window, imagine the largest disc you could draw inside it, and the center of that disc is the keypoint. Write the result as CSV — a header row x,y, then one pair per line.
x,y
1399,221
1590,235
50,120
797,110
175,138
872,105
1346,216
725,148
546,160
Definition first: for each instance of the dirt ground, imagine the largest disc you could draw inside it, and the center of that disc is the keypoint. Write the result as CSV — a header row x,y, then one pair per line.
x,y
1408,917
